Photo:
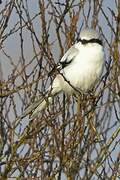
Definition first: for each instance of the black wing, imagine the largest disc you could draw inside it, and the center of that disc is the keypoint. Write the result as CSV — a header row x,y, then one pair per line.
x,y
66,59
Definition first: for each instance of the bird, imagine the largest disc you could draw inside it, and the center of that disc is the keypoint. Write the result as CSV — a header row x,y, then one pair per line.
x,y
78,70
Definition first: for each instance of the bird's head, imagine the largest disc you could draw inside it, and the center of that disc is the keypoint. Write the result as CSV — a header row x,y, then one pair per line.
x,y
90,36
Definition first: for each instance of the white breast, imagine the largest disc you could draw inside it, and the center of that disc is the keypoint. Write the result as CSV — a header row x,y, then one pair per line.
x,y
84,71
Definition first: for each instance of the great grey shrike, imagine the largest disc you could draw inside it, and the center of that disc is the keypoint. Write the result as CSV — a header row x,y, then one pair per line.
x,y
79,69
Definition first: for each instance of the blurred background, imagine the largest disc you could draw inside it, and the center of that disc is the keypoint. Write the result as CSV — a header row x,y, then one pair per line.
x,y
69,139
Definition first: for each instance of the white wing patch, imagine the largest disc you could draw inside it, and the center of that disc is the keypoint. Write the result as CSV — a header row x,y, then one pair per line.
x,y
68,57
